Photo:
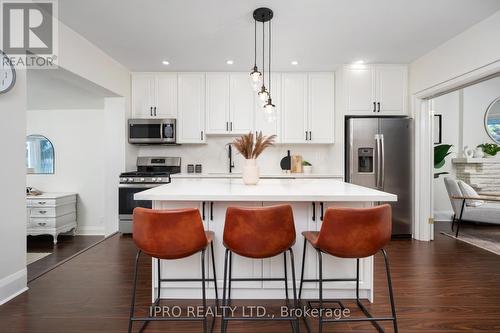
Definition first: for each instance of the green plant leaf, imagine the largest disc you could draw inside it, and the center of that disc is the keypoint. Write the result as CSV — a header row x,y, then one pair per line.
x,y
440,152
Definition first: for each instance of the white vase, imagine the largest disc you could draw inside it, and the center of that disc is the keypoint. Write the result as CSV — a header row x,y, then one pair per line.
x,y
251,174
307,169
478,153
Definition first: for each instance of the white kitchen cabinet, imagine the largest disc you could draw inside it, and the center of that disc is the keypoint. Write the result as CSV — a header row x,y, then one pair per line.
x,y
230,101
242,96
143,91
154,95
217,103
294,108
263,123
321,107
376,90
308,107
191,108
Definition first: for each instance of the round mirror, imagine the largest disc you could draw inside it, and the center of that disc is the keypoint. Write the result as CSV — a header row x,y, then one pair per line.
x,y
39,155
492,120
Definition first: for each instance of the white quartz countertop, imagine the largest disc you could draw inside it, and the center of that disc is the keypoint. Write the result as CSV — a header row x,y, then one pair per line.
x,y
263,176
230,189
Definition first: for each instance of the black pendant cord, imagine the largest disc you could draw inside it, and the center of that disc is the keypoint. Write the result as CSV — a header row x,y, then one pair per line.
x,y
263,53
255,43
269,60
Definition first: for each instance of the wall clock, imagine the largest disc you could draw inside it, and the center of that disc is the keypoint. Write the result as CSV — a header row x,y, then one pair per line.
x,y
7,74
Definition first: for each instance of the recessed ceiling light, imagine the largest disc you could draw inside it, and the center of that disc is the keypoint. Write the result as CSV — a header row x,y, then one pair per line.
x,y
165,62
229,62
295,62
359,62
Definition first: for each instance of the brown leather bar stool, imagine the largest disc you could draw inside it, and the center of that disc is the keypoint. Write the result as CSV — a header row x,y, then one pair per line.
x,y
259,233
351,233
171,234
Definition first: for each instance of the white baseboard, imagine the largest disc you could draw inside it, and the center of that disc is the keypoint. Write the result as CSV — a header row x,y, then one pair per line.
x,y
13,285
443,216
90,231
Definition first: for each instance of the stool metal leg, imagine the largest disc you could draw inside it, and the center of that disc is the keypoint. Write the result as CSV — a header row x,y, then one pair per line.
x,y
203,291
391,295
132,306
215,275
320,264
159,281
286,277
295,304
302,269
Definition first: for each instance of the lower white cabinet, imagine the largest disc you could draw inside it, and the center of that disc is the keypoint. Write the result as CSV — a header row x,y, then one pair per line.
x,y
51,214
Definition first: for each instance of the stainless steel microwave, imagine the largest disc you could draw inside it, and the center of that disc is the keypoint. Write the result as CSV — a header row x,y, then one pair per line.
x,y
151,131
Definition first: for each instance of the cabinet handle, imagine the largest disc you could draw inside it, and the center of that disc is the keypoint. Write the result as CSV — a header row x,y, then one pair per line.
x,y
42,211
374,107
310,136
378,104
42,223
151,111
314,211
231,126
227,126
42,202
203,211
201,136
321,206
155,110
306,135
212,211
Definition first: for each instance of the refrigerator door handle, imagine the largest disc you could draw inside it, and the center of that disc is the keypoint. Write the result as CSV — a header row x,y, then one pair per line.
x,y
377,158
382,162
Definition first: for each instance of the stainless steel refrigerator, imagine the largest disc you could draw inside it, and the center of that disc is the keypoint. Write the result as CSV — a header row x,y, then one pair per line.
x,y
378,155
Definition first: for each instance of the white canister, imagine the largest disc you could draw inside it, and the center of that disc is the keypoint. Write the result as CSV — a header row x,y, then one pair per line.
x,y
251,173
307,169
478,152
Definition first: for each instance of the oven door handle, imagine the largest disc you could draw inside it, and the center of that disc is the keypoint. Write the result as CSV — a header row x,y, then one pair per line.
x,y
138,185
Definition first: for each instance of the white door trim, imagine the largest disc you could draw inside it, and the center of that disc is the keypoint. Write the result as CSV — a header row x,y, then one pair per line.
x,y
423,158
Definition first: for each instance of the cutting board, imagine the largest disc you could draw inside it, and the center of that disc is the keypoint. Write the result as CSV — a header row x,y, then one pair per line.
x,y
296,164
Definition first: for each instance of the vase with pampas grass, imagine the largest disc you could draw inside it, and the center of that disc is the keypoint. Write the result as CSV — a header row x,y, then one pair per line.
x,y
250,147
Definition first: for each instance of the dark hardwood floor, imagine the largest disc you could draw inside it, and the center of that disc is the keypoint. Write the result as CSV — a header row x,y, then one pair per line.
x,y
443,286
66,247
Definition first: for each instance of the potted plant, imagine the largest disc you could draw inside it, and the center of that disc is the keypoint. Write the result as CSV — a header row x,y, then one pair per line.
x,y
440,152
489,149
250,147
307,167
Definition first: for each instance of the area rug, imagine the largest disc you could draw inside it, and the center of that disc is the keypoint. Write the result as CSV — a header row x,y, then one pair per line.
x,y
486,237
35,256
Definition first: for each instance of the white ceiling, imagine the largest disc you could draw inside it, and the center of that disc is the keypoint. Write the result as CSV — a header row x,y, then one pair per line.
x,y
200,35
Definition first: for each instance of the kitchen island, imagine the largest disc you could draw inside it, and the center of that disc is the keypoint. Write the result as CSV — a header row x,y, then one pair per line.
x,y
309,199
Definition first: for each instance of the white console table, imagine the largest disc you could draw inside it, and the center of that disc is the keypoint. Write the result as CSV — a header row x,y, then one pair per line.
x,y
483,174
51,214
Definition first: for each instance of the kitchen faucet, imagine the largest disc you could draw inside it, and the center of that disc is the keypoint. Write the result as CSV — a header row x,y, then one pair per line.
x,y
230,157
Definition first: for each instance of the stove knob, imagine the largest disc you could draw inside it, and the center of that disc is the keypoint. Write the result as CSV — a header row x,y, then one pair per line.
x,y
130,180
123,179
158,179
142,179
153,179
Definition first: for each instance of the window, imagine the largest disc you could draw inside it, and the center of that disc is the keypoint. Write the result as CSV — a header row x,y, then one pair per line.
x,y
39,155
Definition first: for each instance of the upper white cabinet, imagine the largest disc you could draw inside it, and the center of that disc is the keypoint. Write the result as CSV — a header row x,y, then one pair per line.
x,y
191,107
308,107
230,101
154,95
377,89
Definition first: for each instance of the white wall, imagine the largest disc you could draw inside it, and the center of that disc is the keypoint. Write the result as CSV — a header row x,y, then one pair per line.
x,y
474,48
80,164
12,196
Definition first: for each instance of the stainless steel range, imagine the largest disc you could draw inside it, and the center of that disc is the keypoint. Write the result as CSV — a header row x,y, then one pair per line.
x,y
151,171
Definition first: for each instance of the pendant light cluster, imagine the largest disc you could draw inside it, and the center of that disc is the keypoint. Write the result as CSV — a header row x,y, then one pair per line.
x,y
259,79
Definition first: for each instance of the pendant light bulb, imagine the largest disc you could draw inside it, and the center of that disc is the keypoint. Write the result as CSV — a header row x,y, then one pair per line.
x,y
263,94
270,110
256,75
